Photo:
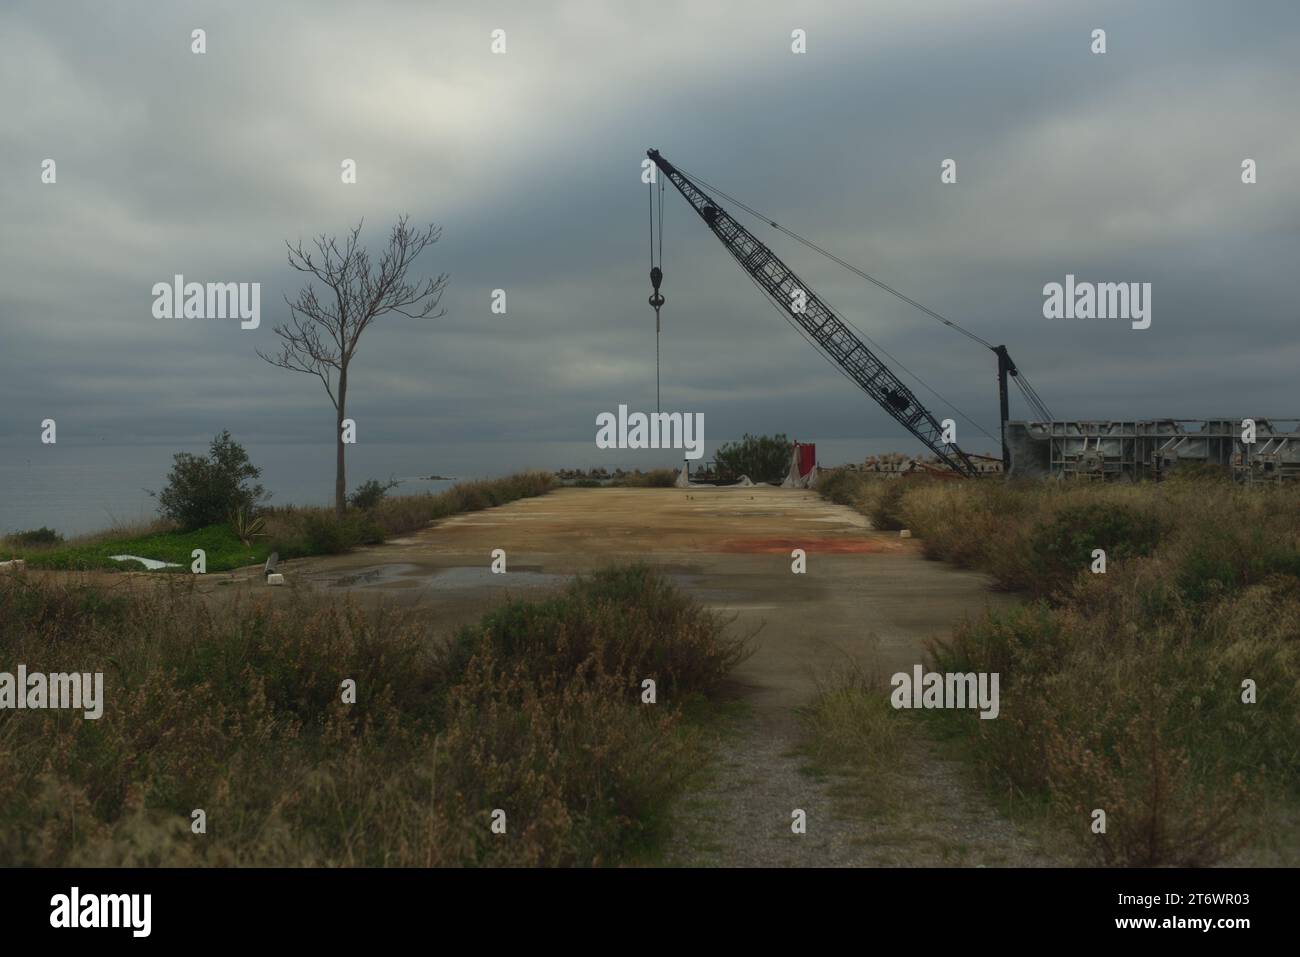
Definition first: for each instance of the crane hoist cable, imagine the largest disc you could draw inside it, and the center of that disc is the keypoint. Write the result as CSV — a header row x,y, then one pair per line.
x,y
1031,395
656,274
834,337
925,385
820,351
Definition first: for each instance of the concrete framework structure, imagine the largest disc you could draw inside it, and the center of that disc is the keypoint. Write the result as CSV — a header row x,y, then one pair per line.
x,y
1151,449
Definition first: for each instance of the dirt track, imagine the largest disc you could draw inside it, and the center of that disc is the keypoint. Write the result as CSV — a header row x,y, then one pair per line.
x,y
867,597
730,547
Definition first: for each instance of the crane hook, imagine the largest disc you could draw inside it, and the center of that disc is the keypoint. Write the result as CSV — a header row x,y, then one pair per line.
x,y
656,277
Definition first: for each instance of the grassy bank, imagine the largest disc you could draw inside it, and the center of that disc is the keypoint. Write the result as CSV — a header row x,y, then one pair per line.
x,y
1122,690
292,531
538,712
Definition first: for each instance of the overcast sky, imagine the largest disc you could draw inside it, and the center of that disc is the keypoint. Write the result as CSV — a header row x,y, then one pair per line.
x,y
1117,167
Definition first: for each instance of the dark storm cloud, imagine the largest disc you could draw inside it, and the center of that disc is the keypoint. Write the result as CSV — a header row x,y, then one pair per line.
x,y
1115,168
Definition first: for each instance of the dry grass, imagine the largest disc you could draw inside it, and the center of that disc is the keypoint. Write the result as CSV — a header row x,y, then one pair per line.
x,y
295,531
1123,691
655,478
849,724
239,711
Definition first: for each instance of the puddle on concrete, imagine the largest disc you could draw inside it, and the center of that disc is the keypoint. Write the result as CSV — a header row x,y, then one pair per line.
x,y
375,575
453,578
406,575
692,585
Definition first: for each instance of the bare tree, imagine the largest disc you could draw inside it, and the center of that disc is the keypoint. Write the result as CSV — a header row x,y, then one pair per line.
x,y
321,337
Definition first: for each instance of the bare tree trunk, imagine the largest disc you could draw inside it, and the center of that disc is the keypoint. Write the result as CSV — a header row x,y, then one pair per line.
x,y
321,335
340,479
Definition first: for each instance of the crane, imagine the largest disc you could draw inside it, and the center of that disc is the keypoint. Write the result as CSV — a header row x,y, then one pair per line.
x,y
827,331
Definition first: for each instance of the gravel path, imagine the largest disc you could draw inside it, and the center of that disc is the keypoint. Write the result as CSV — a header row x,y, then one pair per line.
x,y
923,813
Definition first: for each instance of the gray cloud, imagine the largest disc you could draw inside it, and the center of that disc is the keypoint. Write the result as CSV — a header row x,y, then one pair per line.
x,y
1122,167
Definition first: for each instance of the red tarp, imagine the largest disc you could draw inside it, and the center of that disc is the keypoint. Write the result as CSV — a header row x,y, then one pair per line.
x,y
807,457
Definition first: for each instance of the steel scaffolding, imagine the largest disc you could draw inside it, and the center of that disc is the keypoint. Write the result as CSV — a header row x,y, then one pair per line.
x,y
1101,451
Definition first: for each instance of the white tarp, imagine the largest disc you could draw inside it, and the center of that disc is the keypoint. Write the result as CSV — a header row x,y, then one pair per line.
x,y
152,564
793,479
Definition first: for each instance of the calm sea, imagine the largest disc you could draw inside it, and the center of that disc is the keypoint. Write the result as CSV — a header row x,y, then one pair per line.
x,y
85,488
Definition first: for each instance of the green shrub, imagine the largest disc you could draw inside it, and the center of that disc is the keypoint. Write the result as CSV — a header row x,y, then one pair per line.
x,y
1218,558
246,526
764,458
321,532
886,511
205,489
655,478
877,497
963,522
370,493
36,536
625,622
1160,809
841,486
1063,545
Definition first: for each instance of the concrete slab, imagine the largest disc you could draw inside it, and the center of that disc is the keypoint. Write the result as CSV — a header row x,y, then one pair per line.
x,y
867,596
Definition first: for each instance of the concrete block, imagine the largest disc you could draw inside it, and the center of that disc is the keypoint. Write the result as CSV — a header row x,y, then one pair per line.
x,y
905,533
275,578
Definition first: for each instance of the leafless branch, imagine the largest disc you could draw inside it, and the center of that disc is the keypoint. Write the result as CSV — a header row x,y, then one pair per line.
x,y
323,331
320,338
